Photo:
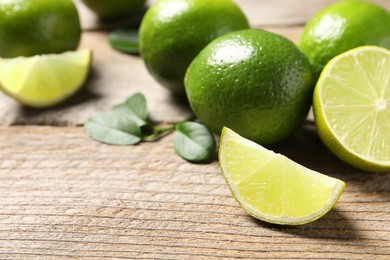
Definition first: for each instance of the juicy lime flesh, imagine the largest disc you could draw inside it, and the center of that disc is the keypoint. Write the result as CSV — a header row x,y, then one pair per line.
x,y
355,100
44,79
273,188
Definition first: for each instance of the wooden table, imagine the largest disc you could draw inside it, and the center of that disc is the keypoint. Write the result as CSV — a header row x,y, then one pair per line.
x,y
64,196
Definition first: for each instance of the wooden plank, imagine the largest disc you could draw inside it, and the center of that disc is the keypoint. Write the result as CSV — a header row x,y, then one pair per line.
x,y
64,196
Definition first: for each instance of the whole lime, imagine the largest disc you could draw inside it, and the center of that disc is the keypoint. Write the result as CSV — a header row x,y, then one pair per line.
x,y
114,8
343,26
255,82
173,32
31,27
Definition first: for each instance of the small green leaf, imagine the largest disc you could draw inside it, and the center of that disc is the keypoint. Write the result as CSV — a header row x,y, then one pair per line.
x,y
194,142
136,107
137,104
114,127
125,40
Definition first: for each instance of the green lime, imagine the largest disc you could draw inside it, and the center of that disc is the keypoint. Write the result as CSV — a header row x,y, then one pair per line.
x,y
352,107
343,26
31,27
44,80
271,187
173,32
255,82
114,8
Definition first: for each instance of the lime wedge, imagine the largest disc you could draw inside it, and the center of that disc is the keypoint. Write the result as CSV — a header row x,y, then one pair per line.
x,y
271,187
352,107
44,80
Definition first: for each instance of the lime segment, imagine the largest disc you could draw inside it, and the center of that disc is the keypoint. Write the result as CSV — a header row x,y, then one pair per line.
x,y
352,110
271,187
44,80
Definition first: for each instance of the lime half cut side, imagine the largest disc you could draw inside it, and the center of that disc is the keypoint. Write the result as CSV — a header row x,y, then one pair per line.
x,y
271,187
44,80
352,107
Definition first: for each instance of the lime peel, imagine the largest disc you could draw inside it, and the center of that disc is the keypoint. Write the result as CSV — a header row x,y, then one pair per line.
x,y
271,187
32,27
336,29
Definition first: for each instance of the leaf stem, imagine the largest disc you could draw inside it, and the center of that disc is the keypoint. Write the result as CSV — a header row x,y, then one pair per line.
x,y
157,133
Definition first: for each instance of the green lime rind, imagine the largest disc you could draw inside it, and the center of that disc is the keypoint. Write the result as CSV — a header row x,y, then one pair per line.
x,y
33,27
342,26
253,81
114,8
173,32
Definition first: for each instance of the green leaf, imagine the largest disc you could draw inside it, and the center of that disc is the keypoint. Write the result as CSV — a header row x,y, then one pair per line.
x,y
136,108
193,142
114,127
125,40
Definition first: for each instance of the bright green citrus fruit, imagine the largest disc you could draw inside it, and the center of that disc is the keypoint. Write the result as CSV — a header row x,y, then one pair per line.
x,y
114,8
44,80
255,82
174,31
343,26
32,27
352,107
271,187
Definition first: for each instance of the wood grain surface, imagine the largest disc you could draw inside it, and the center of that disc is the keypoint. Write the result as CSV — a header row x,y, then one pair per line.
x,y
65,196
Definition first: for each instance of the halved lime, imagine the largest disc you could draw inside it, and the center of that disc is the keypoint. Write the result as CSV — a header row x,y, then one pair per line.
x,y
44,80
271,187
352,107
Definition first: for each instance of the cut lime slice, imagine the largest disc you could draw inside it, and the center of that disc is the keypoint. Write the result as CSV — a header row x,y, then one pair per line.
x,y
44,80
271,187
352,107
